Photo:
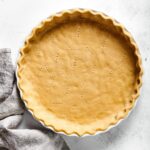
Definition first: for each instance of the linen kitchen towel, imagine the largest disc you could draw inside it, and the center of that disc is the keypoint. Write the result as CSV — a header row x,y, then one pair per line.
x,y
11,114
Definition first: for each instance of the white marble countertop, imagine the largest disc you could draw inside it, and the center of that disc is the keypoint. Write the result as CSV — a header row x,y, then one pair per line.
x,y
18,17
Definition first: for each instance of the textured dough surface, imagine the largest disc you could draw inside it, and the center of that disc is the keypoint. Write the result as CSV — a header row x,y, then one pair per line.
x,y
80,72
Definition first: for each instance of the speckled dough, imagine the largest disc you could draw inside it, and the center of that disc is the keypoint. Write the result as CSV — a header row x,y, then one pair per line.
x,y
79,74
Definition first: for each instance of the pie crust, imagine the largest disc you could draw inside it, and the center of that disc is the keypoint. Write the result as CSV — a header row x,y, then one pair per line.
x,y
79,72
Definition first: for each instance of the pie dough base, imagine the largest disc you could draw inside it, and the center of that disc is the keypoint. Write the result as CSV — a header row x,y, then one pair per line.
x,y
79,75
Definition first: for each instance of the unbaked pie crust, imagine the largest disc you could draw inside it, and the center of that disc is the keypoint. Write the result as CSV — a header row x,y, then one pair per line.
x,y
79,72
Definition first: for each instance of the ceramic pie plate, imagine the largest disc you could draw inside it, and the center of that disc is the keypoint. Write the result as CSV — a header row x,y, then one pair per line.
x,y
79,72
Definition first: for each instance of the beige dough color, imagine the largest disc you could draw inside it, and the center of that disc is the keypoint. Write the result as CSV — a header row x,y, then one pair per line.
x,y
79,75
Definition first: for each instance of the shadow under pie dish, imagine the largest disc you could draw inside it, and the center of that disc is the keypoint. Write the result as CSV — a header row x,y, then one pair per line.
x,y
79,72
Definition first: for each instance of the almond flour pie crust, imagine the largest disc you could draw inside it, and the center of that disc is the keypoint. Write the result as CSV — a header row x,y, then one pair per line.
x,y
79,72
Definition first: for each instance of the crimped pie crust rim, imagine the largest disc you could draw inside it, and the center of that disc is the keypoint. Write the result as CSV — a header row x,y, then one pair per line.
x,y
138,64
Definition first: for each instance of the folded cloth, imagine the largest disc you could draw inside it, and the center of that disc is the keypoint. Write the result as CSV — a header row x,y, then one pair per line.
x,y
11,114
